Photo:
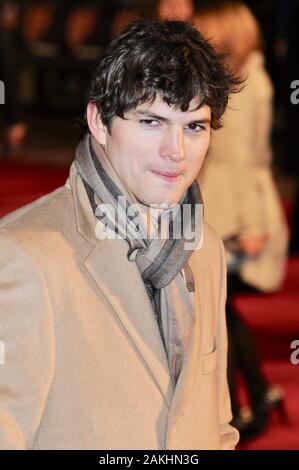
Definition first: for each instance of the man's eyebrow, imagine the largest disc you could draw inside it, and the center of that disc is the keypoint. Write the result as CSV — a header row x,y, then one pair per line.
x,y
164,119
151,115
201,121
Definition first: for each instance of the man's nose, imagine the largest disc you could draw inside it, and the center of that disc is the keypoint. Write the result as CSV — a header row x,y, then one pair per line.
x,y
173,145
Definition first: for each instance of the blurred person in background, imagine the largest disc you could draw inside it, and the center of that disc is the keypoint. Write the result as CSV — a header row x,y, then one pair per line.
x,y
175,9
292,115
14,129
241,200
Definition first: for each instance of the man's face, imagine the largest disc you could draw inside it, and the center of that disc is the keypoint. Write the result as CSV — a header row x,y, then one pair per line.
x,y
158,149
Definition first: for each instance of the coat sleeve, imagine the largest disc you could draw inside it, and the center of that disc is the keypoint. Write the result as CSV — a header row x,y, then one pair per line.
x,y
26,346
228,434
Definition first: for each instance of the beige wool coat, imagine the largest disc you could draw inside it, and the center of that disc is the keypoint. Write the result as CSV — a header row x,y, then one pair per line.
x,y
84,364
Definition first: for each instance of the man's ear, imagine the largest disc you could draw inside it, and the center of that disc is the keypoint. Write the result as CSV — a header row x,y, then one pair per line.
x,y
95,124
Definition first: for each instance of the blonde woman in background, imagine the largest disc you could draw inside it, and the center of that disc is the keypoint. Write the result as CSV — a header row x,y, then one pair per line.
x,y
240,197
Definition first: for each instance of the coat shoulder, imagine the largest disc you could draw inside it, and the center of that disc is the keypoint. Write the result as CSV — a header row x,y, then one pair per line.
x,y
211,238
44,211
210,256
42,222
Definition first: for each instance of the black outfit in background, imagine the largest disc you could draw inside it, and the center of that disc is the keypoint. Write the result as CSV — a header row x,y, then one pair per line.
x,y
242,354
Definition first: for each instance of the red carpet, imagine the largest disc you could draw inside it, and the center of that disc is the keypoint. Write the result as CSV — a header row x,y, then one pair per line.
x,y
274,318
23,183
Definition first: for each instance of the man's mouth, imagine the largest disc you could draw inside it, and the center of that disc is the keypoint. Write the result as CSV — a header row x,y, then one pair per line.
x,y
170,177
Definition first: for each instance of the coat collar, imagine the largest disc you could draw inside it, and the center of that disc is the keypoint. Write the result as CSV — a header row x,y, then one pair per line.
x,y
121,283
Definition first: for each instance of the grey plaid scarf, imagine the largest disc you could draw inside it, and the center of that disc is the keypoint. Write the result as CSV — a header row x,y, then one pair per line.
x,y
160,260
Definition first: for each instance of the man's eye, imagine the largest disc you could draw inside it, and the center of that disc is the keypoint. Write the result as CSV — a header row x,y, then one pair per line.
x,y
195,127
152,123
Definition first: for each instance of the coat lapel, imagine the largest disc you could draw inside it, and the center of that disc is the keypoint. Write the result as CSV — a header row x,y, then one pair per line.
x,y
191,363
121,283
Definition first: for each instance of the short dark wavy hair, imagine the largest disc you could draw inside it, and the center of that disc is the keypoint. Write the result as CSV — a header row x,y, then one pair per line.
x,y
170,58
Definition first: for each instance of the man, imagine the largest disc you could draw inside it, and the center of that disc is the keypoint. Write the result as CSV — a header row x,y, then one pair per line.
x,y
119,342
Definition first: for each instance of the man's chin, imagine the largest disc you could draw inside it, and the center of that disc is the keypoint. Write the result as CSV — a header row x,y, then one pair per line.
x,y
162,202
